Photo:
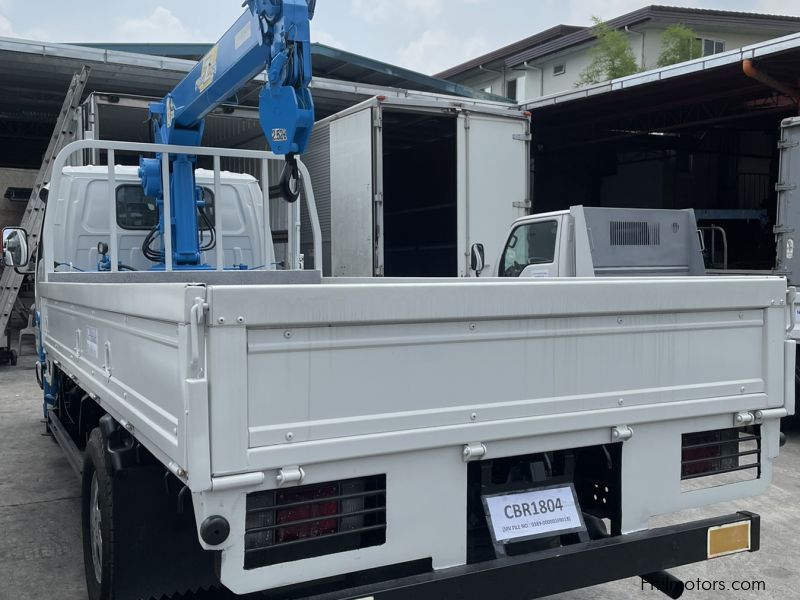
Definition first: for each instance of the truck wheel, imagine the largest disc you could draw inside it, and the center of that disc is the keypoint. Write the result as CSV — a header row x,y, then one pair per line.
x,y
97,515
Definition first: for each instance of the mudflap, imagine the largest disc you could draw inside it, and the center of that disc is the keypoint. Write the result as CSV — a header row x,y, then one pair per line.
x,y
156,549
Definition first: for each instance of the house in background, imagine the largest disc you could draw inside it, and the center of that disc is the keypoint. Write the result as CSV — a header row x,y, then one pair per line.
x,y
552,61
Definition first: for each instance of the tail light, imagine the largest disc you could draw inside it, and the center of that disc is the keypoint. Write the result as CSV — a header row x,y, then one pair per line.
x,y
302,519
314,520
734,453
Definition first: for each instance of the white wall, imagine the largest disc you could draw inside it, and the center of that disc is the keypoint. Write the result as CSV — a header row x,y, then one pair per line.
x,y
484,79
538,79
732,39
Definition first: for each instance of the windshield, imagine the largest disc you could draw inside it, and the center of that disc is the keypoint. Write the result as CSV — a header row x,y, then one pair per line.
x,y
529,244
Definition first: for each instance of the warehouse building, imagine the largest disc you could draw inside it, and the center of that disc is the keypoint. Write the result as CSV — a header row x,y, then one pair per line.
x,y
704,134
36,77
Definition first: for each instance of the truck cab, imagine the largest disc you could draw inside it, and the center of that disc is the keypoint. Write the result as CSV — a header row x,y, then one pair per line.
x,y
603,242
233,222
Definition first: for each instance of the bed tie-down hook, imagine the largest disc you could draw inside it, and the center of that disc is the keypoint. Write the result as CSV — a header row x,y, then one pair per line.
x,y
196,318
107,360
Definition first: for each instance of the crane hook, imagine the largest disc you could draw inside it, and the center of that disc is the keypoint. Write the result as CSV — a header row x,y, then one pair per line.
x,y
290,179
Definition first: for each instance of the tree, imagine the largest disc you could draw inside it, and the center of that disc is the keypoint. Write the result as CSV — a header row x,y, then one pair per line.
x,y
678,45
612,56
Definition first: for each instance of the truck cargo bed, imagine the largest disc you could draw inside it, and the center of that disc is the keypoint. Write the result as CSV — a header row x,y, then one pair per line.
x,y
248,383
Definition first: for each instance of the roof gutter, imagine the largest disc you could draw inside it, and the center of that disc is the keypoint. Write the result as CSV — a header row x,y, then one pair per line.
x,y
749,68
526,67
488,70
641,36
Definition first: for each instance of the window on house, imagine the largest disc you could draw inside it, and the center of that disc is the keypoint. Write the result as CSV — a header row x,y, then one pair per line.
x,y
559,69
512,89
711,47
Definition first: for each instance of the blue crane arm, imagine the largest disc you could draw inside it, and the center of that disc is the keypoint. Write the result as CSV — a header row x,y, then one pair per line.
x,y
271,34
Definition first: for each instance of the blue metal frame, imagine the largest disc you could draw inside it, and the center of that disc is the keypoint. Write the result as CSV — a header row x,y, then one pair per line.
x,y
271,33
48,382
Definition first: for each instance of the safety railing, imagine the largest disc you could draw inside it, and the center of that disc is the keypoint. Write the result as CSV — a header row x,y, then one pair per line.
x,y
708,244
113,148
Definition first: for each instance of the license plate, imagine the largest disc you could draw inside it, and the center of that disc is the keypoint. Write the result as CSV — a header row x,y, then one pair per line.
x,y
532,514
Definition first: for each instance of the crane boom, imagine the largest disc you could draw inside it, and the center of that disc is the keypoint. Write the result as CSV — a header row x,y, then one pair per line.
x,y
271,34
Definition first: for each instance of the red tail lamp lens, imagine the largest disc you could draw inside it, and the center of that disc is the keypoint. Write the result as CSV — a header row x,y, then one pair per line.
x,y
310,517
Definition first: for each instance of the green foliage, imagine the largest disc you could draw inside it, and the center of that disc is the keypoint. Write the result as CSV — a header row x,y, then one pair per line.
x,y
612,56
678,45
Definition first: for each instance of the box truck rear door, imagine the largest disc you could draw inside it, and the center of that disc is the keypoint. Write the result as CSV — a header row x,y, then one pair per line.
x,y
351,241
788,222
493,173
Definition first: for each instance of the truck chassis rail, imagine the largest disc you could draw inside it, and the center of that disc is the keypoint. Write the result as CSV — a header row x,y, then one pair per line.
x,y
561,569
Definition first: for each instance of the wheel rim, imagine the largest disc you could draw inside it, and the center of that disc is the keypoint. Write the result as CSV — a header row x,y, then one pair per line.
x,y
95,529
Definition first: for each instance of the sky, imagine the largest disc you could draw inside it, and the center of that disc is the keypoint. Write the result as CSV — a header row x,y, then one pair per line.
x,y
424,35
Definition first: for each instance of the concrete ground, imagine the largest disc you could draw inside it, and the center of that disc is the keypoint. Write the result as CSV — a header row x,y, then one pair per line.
x,y
40,544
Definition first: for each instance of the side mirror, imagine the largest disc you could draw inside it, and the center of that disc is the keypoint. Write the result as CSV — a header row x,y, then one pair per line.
x,y
15,247
478,258
44,194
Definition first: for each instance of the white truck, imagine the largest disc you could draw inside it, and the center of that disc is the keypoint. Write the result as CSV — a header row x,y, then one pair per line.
x,y
623,242
279,431
603,242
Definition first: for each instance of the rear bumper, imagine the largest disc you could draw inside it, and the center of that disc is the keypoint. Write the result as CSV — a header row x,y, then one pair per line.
x,y
559,570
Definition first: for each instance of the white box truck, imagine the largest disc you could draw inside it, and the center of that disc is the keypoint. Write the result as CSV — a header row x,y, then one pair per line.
x,y
405,188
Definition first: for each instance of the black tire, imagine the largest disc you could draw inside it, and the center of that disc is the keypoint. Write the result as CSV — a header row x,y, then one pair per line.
x,y
97,505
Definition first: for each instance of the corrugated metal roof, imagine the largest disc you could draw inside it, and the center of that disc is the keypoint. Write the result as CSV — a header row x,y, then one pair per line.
x,y
171,50
333,63
36,76
327,62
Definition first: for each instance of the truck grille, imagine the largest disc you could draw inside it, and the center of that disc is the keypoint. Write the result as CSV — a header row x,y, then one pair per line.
x,y
635,233
315,520
726,455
